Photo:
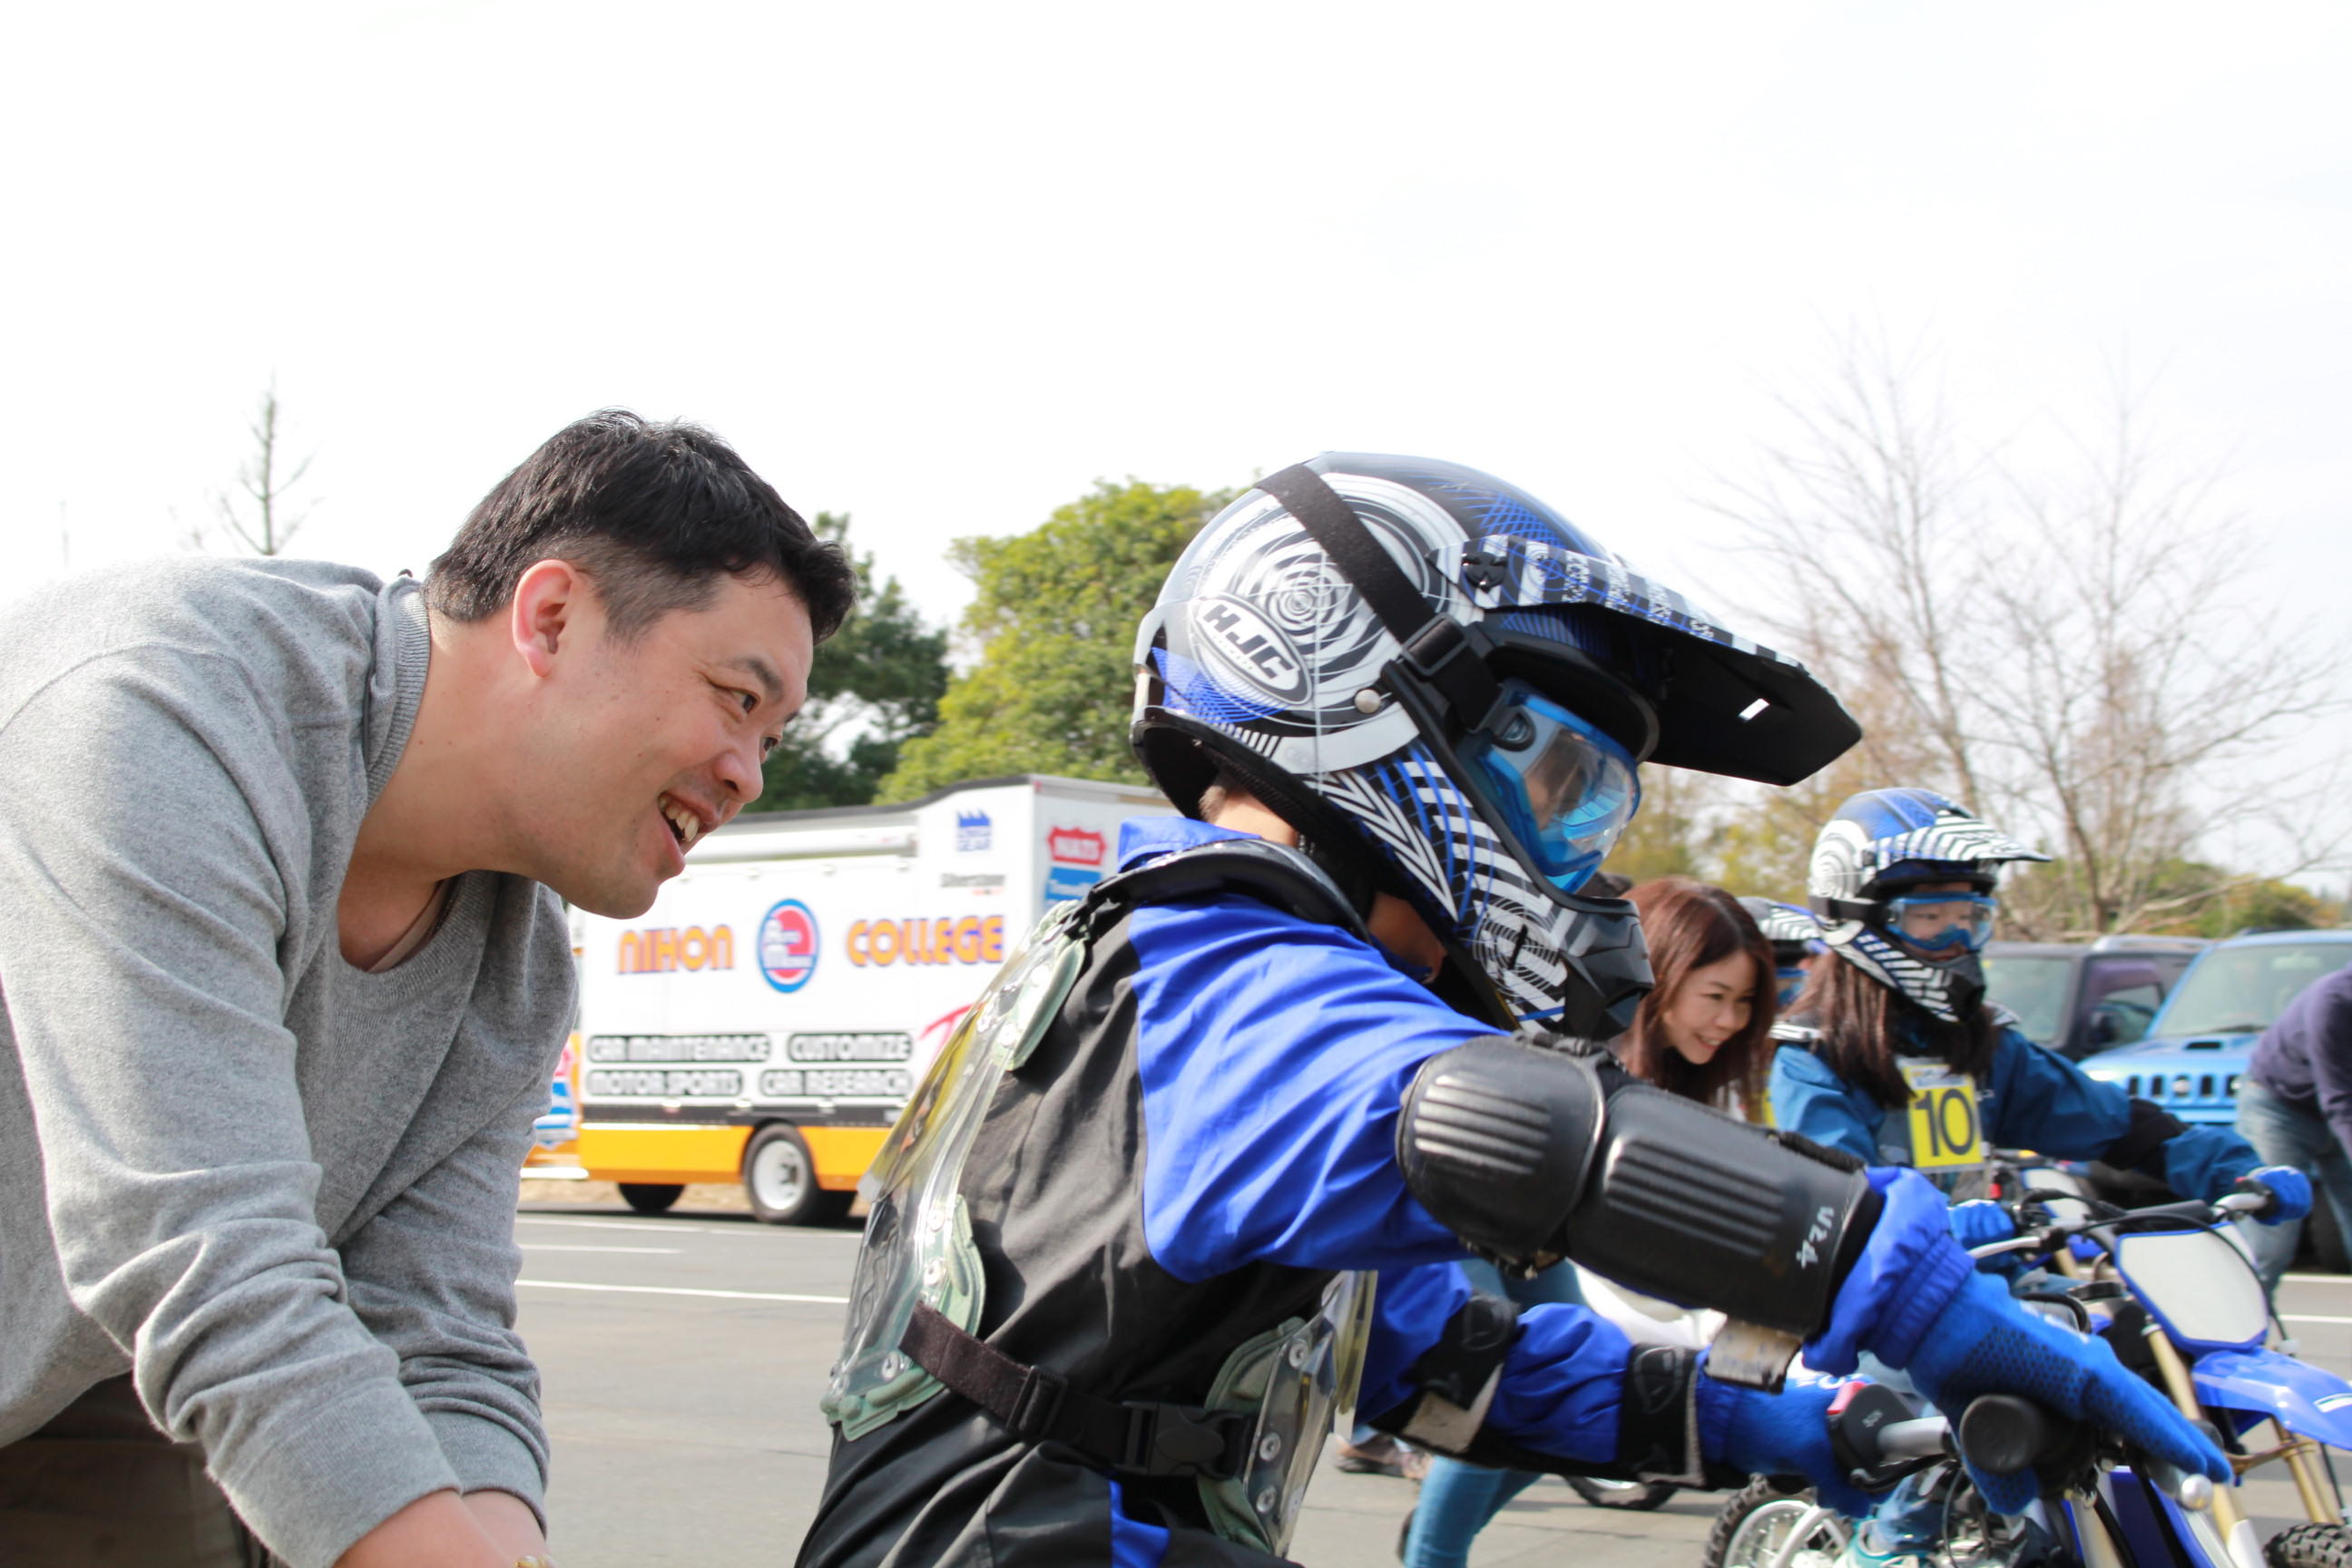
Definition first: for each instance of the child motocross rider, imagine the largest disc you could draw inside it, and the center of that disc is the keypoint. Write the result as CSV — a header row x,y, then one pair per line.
x,y
1119,1274
1893,1053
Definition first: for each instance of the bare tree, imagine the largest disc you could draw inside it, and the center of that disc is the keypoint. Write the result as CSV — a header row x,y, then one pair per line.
x,y
259,518
2067,656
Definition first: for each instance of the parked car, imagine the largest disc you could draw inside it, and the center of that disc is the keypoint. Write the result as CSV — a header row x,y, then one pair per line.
x,y
2199,1044
2080,1000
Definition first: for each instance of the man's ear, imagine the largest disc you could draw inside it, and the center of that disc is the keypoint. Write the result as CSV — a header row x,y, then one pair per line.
x,y
553,604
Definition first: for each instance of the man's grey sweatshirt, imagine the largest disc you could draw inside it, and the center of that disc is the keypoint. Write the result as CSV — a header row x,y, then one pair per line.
x,y
276,1190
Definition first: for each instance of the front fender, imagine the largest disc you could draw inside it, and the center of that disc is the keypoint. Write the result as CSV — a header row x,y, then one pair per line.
x,y
2299,1396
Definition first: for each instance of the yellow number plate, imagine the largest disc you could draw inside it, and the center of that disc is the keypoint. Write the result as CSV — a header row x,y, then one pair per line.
x,y
1945,1130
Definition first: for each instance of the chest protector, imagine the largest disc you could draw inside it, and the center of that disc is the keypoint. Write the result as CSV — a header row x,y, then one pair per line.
x,y
919,1295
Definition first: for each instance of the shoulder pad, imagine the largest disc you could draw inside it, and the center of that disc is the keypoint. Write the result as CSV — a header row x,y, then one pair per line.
x,y
1273,874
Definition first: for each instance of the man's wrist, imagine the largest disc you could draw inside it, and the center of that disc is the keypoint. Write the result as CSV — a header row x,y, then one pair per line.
x,y
510,1524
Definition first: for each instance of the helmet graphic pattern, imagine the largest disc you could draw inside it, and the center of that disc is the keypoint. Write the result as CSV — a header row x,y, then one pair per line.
x,y
1782,922
1880,830
1943,989
1413,812
1502,573
1257,631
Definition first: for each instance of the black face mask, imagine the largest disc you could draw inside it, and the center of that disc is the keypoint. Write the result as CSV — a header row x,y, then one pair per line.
x,y
1966,982
1608,969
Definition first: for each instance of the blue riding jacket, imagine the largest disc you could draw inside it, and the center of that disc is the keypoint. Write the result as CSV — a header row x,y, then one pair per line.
x,y
2032,1099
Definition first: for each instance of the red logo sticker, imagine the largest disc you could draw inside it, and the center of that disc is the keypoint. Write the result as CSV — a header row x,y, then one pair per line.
x,y
1075,847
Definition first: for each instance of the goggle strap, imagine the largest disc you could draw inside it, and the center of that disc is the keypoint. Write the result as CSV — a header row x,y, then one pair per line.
x,y
1434,646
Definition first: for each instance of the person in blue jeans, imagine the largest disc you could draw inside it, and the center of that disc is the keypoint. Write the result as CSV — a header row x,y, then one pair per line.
x,y
2295,1107
1701,1033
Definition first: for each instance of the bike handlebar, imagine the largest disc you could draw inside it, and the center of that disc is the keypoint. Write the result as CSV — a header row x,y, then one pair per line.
x,y
2001,1434
2193,1212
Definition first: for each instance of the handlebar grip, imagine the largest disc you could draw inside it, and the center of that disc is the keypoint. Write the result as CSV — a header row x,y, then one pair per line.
x,y
2002,1435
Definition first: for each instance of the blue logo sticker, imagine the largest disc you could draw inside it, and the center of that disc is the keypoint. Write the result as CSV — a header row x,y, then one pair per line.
x,y
971,830
1063,884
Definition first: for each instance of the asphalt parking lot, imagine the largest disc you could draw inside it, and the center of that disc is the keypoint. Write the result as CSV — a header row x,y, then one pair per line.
x,y
684,1356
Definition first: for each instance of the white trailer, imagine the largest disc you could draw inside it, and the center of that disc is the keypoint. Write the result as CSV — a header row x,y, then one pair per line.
x,y
767,1019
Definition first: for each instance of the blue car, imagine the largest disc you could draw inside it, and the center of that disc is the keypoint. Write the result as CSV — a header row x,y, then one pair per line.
x,y
2201,1037
2198,1044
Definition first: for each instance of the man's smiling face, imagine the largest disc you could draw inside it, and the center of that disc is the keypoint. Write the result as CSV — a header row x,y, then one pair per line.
x,y
656,738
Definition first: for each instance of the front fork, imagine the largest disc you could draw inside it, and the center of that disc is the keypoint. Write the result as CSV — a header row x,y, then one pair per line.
x,y
2302,1455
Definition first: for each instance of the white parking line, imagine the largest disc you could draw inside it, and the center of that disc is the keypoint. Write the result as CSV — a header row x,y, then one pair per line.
x,y
760,1232
2300,1317
684,1290
560,1247
2316,1278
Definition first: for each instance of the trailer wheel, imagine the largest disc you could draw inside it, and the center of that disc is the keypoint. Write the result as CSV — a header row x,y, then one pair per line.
x,y
780,1178
651,1197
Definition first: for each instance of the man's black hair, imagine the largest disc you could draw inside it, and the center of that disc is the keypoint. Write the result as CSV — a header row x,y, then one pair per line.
x,y
653,514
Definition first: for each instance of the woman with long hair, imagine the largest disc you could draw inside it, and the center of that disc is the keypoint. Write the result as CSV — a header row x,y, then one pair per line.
x,y
1703,1033
1892,1054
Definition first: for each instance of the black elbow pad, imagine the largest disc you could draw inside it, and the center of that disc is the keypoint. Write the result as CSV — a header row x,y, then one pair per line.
x,y
1531,1153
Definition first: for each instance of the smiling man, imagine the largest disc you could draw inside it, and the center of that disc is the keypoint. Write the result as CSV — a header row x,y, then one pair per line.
x,y
284,971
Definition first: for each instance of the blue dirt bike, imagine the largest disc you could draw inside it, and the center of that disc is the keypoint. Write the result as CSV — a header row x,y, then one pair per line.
x,y
2174,1292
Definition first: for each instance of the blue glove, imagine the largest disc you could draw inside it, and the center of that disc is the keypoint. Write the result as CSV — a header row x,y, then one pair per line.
x,y
1980,1223
1983,1342
2288,1189
1788,1434
1913,1300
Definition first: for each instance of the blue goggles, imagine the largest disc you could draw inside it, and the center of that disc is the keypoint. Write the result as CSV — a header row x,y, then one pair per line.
x,y
1943,922
1565,789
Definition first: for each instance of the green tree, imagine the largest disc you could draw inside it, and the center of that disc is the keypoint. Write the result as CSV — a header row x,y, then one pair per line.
x,y
875,685
1055,621
2190,904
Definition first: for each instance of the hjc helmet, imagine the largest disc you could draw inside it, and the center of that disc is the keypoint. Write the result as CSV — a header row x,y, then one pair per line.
x,y
1414,658
1883,842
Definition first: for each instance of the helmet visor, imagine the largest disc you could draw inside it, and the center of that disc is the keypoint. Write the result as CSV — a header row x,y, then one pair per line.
x,y
1564,788
1943,922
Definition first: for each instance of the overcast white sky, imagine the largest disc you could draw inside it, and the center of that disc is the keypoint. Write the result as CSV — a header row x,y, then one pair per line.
x,y
942,265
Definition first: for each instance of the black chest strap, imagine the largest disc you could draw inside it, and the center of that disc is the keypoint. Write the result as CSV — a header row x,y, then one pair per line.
x,y
1135,1438
1273,874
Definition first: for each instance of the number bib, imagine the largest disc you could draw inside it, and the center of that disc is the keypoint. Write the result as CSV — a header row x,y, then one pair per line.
x,y
1945,1131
